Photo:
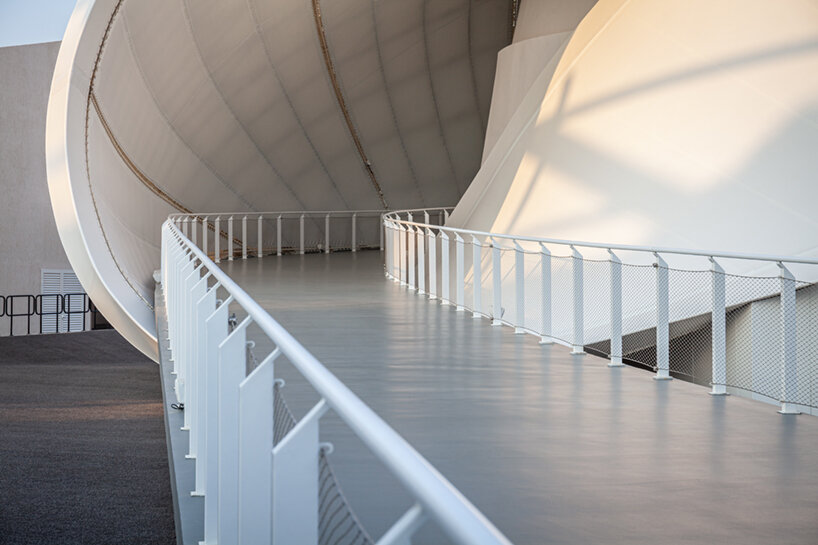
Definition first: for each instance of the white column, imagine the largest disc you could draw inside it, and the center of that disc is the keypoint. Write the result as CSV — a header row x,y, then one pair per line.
x,y
410,259
789,354
662,320
616,311
719,329
421,253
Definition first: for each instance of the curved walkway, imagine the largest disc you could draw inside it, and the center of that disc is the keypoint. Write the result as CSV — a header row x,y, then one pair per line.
x,y
553,448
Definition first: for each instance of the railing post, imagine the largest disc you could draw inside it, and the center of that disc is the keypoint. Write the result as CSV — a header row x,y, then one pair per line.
x,y
194,232
230,238
410,259
204,235
232,361
354,232
497,280
445,282
421,253
459,280
616,311
545,294
260,250
184,226
719,329
477,276
217,235
244,237
789,340
256,453
432,264
295,481
578,347
426,217
278,235
402,254
445,216
519,291
326,234
204,307
662,319
301,235
216,334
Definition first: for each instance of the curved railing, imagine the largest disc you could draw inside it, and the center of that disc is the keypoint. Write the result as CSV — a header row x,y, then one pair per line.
x,y
745,333
232,422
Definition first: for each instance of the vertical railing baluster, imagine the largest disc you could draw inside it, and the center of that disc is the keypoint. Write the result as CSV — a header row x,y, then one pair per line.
x,y
278,235
295,481
445,257
497,281
217,235
230,238
354,232
545,295
421,253
410,259
204,235
519,290
301,235
616,310
194,231
232,361
326,234
459,272
432,263
477,276
259,239
662,319
578,347
244,237
402,268
789,342
719,329
255,454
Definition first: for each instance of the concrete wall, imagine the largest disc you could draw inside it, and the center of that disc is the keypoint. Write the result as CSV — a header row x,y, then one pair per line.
x,y
28,234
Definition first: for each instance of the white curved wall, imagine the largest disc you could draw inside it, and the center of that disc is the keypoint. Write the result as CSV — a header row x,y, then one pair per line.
x,y
228,105
676,123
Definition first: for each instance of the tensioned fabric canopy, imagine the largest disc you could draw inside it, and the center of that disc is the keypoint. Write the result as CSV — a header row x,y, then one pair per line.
x,y
161,106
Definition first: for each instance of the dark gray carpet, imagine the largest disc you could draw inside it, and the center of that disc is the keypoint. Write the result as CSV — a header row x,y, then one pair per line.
x,y
82,443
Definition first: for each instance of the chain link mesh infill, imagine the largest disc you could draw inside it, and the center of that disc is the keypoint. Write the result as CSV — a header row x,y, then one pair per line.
x,y
753,316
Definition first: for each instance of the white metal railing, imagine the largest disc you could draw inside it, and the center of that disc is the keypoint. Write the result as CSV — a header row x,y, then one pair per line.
x,y
756,334
256,491
240,234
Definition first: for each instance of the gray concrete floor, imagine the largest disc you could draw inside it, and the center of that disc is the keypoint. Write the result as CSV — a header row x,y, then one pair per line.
x,y
553,448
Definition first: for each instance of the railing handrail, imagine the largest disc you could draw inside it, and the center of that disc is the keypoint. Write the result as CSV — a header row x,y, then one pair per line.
x,y
292,212
605,246
450,509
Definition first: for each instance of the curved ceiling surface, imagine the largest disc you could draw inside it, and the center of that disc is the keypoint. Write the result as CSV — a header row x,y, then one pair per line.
x,y
161,106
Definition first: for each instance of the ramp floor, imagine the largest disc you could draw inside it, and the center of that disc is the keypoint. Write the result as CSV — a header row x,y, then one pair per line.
x,y
553,448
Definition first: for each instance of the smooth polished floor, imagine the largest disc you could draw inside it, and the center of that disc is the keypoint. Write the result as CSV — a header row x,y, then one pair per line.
x,y
553,448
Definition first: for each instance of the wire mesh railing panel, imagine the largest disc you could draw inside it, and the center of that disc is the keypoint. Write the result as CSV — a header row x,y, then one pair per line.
x,y
754,335
639,314
690,312
596,295
562,298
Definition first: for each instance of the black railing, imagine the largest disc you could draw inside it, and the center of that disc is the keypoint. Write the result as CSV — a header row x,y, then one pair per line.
x,y
33,308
